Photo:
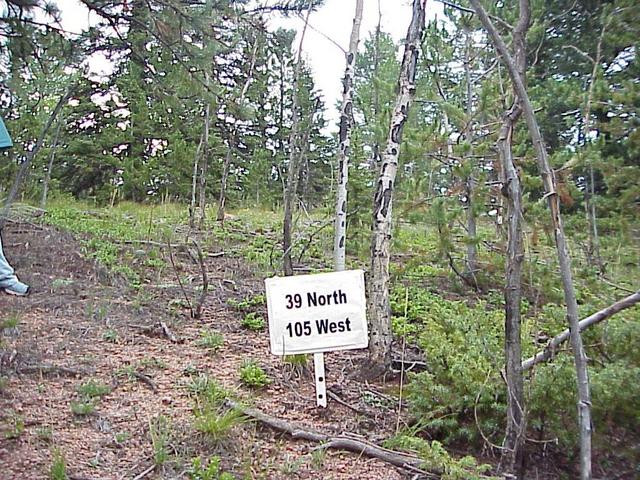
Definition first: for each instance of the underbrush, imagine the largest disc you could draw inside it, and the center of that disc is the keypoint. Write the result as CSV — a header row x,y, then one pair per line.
x,y
113,236
460,397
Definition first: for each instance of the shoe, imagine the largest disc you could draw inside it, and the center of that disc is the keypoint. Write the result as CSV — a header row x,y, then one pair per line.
x,y
18,289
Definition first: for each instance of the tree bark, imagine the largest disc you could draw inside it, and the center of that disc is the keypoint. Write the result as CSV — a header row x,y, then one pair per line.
x,y
294,160
516,424
194,183
513,458
346,121
379,306
375,155
549,351
549,182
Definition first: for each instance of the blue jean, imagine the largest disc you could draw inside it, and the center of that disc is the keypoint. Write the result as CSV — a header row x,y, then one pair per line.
x,y
7,276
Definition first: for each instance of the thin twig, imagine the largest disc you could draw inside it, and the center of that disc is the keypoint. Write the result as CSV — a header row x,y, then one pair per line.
x,y
205,281
175,270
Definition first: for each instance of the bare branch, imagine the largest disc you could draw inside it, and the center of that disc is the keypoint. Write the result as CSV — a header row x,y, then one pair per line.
x,y
549,351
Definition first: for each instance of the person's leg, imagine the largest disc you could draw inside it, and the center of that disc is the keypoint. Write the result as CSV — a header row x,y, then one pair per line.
x,y
8,280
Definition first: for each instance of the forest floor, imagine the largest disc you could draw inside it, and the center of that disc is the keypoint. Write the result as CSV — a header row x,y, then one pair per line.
x,y
90,380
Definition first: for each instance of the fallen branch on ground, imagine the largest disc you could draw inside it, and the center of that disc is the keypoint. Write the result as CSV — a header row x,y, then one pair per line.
x,y
168,333
549,351
146,380
145,473
151,243
349,406
49,369
340,442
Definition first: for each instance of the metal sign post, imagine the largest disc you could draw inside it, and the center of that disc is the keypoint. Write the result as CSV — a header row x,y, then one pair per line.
x,y
321,384
315,314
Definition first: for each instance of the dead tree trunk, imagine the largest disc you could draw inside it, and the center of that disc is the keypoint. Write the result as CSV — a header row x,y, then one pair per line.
x,y
194,183
52,156
513,458
204,166
379,307
516,423
549,182
346,121
294,160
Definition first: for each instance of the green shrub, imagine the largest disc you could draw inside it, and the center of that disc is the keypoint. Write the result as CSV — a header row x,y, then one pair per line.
x,y
253,321
463,347
436,458
82,407
211,470
252,375
216,422
92,389
208,390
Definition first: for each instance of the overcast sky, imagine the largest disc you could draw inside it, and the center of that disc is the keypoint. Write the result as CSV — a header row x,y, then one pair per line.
x,y
334,20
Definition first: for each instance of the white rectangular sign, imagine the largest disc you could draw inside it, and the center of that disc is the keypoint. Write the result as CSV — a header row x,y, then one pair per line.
x,y
317,313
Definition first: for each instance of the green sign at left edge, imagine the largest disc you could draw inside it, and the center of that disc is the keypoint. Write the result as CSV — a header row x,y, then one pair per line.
x,y
5,139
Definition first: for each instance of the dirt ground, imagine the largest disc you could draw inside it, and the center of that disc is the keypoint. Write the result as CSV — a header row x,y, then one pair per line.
x,y
82,323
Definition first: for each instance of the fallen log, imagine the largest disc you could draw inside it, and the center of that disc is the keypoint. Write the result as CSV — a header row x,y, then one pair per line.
x,y
340,442
549,351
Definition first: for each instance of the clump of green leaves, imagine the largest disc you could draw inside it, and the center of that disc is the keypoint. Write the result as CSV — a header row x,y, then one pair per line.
x,y
252,375
253,321
83,407
110,335
207,390
247,302
211,340
93,389
464,346
90,393
211,470
217,423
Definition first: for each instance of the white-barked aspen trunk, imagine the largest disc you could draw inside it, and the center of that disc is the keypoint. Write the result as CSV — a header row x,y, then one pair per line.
x,y
379,306
346,121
